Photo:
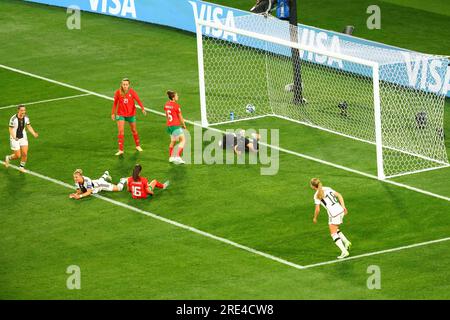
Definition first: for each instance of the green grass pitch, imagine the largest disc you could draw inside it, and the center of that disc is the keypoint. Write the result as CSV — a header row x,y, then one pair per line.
x,y
127,255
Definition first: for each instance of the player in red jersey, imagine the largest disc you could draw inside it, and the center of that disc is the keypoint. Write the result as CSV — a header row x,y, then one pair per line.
x,y
139,186
124,99
174,123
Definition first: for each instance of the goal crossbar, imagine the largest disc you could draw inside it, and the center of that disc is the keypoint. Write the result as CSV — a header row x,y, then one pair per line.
x,y
282,42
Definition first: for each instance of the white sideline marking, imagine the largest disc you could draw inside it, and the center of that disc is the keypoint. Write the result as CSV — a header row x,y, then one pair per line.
x,y
224,240
401,185
44,101
376,253
171,222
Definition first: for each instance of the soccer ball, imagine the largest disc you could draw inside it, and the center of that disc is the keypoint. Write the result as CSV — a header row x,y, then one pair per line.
x,y
250,108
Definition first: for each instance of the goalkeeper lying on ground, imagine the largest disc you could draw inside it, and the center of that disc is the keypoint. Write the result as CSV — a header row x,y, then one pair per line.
x,y
239,142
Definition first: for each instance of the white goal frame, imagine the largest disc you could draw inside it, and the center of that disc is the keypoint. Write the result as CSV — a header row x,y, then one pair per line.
x,y
374,65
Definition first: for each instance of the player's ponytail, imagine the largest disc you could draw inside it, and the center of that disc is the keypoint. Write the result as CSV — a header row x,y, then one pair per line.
x,y
136,172
315,182
171,94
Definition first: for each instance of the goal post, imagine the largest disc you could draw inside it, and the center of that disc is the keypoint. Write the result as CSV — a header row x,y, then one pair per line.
x,y
356,91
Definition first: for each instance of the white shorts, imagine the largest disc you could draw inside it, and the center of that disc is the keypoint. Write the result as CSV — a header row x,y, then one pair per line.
x,y
102,185
337,220
16,144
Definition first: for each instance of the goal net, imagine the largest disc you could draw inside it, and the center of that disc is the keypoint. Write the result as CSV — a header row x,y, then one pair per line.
x,y
261,66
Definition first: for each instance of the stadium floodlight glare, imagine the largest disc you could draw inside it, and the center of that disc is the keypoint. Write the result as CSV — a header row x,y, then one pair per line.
x,y
371,94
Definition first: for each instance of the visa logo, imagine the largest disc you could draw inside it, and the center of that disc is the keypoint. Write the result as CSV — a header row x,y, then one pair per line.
x,y
424,73
216,15
115,7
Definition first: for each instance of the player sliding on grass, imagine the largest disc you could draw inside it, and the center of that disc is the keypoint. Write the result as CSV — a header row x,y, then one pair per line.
x,y
174,119
86,186
124,98
334,203
139,187
18,137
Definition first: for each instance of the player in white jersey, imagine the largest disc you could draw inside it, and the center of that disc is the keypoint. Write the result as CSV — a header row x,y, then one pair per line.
x,y
18,137
86,186
334,203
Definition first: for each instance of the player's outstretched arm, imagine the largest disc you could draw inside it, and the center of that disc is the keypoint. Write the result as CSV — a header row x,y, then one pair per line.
x,y
79,195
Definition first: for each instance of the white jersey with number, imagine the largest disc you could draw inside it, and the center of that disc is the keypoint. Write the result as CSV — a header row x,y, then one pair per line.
x,y
96,185
330,202
19,125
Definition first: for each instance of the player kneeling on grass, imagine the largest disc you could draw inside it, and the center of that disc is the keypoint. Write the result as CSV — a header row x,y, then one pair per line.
x,y
86,186
334,203
174,122
139,187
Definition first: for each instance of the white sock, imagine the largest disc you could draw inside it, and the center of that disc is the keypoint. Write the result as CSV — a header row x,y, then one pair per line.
x,y
338,242
341,235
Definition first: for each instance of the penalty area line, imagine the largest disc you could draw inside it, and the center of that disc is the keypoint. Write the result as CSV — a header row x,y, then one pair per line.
x,y
398,184
415,245
45,101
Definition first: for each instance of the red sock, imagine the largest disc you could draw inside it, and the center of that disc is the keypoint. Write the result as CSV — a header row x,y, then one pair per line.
x,y
136,139
120,139
159,185
180,151
170,151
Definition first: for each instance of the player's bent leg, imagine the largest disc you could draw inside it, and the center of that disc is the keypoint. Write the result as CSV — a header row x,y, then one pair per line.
x,y
333,228
24,153
347,243
338,241
14,156
121,184
173,140
156,184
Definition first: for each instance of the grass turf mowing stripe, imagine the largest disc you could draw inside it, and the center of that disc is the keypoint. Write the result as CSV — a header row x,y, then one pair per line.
x,y
401,185
229,242
44,101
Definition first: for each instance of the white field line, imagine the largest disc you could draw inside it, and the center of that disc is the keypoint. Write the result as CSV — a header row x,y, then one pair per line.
x,y
171,222
401,185
44,101
226,241
421,244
